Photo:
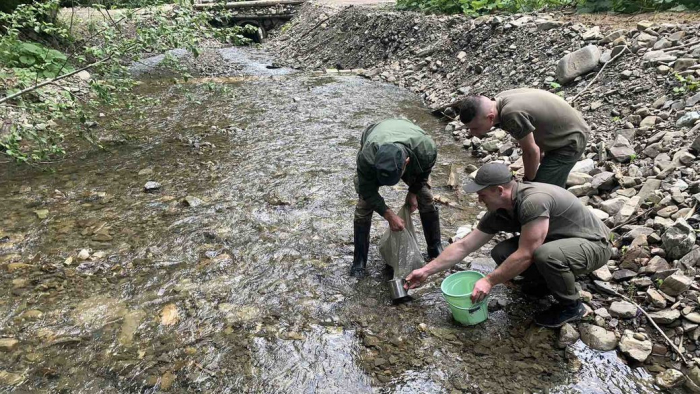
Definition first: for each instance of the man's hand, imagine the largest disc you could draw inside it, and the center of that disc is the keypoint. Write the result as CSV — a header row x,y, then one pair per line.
x,y
416,278
482,288
395,222
412,201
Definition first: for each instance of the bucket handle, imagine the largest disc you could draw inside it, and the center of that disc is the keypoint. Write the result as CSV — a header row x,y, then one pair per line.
x,y
471,310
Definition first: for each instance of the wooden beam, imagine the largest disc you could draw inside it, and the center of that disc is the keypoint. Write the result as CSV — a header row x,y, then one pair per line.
x,y
247,4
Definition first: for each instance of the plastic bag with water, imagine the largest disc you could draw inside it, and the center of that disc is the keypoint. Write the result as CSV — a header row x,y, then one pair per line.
x,y
399,249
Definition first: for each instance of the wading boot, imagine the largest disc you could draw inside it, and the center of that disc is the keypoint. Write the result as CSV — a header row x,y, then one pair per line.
x,y
431,231
361,240
559,314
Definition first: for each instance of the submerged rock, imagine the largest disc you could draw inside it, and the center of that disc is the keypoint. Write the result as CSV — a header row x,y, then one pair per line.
x,y
670,378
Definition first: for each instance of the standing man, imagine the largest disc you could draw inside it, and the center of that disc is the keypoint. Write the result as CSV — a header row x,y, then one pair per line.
x,y
542,122
559,239
391,150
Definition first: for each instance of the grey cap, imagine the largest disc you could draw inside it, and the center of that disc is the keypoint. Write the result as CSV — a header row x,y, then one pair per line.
x,y
389,162
489,174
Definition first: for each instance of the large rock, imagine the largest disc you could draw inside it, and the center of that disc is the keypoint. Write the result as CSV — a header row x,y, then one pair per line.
x,y
688,119
658,57
622,150
623,309
691,259
598,338
613,205
605,180
581,190
578,179
577,63
666,316
585,166
637,347
678,240
627,211
602,273
656,264
676,284
670,378
567,335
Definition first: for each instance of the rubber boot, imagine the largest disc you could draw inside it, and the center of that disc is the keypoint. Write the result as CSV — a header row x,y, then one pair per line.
x,y
361,240
431,231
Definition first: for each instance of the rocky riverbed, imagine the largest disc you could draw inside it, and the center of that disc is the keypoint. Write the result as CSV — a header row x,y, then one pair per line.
x,y
635,85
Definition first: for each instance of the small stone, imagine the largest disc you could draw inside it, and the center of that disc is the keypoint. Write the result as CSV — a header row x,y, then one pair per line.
x,y
598,338
666,316
567,335
693,317
151,186
169,315
613,36
679,239
668,211
649,121
146,171
602,273
585,166
684,64
623,274
192,201
676,284
624,310
577,179
84,254
634,348
581,190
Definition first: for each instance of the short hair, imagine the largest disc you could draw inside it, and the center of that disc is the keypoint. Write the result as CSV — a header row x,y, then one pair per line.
x,y
469,108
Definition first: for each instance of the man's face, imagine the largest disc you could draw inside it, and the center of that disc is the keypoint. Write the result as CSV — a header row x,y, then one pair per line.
x,y
480,125
491,197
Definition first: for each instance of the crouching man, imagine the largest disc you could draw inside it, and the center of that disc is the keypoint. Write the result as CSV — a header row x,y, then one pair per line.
x,y
559,239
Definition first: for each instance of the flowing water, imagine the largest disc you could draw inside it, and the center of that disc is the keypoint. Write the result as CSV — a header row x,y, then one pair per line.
x,y
107,288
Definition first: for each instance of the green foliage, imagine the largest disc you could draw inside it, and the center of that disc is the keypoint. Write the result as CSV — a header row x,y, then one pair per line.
x,y
630,6
481,7
685,85
109,45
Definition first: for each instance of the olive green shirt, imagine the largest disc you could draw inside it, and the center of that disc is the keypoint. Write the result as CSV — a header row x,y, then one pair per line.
x,y
420,148
568,217
555,125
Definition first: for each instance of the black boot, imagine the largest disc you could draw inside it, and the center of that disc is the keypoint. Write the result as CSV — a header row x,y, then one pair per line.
x,y
431,230
560,314
361,240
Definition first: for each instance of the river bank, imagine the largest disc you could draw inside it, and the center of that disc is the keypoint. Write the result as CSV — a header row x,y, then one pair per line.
x,y
640,169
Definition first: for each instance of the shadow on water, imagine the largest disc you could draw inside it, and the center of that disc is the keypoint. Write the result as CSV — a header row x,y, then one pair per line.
x,y
245,287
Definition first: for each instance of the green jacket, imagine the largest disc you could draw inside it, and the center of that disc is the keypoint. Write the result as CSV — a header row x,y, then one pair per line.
x,y
419,146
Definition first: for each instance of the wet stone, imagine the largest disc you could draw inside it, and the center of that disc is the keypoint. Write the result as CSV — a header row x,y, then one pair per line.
x,y
8,344
568,335
151,186
670,378
10,379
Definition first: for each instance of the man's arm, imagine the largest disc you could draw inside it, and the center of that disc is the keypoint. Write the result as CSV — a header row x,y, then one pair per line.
x,y
452,255
531,156
532,237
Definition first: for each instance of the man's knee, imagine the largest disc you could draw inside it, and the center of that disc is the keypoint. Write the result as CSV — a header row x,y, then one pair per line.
x,y
547,257
363,212
503,249
426,203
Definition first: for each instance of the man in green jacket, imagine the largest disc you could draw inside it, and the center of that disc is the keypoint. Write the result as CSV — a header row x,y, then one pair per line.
x,y
551,133
390,150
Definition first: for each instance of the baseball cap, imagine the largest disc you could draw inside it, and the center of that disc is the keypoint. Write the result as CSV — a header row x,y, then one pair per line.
x,y
489,174
389,162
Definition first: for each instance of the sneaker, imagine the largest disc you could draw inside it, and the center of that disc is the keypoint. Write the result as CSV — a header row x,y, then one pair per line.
x,y
559,314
